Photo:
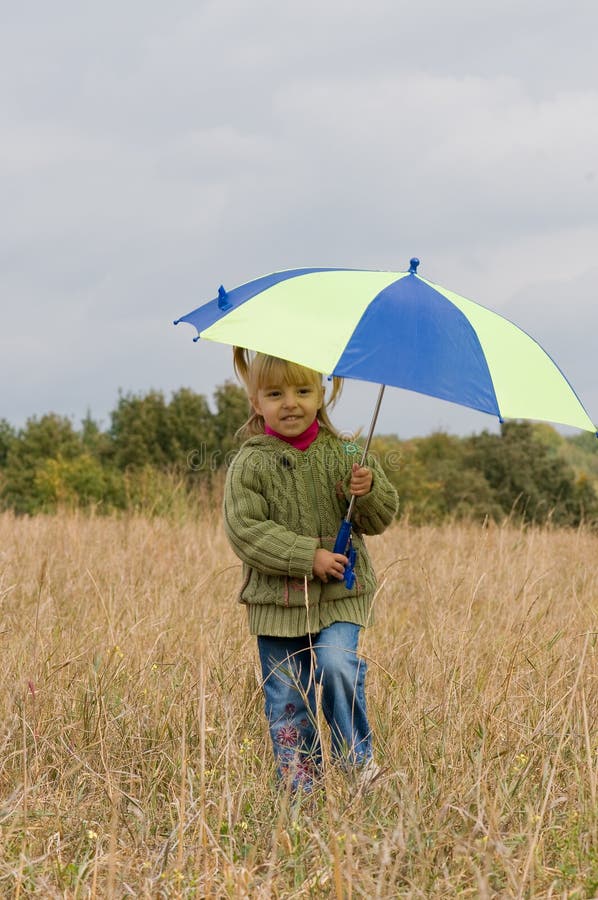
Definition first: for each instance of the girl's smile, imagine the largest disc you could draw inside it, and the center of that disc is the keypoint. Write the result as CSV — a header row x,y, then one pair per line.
x,y
289,409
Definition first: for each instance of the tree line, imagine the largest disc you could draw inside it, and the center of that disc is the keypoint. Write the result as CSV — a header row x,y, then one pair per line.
x,y
161,454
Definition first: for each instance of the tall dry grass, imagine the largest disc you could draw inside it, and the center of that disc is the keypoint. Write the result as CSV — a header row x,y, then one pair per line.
x,y
134,758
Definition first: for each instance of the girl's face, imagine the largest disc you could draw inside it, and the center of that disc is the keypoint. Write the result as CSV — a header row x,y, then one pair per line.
x,y
289,408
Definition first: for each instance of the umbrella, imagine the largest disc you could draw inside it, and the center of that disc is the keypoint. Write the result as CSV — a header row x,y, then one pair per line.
x,y
394,328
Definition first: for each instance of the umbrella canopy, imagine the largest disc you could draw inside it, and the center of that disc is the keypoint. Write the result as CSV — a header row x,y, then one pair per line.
x,y
394,328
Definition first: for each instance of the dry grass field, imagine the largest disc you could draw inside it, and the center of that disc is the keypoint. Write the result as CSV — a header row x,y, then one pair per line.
x,y
134,757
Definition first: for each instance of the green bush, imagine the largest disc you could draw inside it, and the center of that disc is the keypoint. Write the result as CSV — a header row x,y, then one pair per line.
x,y
79,482
529,478
50,437
7,436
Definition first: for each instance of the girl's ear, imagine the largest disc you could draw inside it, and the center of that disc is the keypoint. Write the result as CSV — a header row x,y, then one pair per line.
x,y
255,405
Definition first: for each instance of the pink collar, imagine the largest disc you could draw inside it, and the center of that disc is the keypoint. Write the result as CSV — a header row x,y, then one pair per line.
x,y
302,441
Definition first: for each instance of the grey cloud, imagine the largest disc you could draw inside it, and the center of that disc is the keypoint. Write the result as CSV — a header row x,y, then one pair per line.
x,y
147,155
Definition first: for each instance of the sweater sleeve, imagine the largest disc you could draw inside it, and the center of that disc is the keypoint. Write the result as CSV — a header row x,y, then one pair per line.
x,y
374,512
257,540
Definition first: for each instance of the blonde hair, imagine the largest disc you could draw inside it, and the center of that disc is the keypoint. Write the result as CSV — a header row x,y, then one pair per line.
x,y
257,370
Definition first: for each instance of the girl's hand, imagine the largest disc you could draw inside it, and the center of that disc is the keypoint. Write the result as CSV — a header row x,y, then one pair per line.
x,y
327,563
361,480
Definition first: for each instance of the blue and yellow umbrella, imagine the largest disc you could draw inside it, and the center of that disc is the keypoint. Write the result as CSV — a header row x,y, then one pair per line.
x,y
394,328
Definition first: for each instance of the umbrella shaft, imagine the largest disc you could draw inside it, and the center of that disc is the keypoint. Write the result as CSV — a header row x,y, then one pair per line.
x,y
367,445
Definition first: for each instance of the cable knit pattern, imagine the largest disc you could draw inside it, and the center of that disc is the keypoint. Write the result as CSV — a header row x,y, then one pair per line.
x,y
280,505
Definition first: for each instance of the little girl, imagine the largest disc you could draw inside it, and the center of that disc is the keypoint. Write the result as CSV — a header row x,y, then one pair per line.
x,y
287,491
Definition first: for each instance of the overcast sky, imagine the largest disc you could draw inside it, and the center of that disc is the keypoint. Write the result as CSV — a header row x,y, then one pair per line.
x,y
151,151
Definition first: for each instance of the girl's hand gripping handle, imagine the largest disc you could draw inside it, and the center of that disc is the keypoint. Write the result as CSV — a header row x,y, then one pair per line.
x,y
344,545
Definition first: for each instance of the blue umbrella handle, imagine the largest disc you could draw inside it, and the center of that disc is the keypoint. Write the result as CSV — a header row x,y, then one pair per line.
x,y
344,545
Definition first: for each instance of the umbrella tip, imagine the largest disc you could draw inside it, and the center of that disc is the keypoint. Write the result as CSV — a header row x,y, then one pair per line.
x,y
413,264
223,301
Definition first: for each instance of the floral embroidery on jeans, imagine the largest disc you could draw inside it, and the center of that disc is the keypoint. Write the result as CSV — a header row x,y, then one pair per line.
x,y
301,773
287,736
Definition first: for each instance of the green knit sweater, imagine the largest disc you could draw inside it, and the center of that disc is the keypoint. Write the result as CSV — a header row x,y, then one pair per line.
x,y
280,505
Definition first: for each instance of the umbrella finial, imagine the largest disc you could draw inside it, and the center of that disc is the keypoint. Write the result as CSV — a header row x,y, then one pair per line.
x,y
413,264
223,299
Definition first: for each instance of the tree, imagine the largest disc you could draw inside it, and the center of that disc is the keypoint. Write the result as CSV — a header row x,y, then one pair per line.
x,y
581,452
148,431
405,471
50,437
7,436
232,411
435,479
462,490
95,441
78,482
586,441
193,432
529,478
139,431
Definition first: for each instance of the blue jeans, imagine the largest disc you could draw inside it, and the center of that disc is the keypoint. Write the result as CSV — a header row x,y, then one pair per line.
x,y
290,676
